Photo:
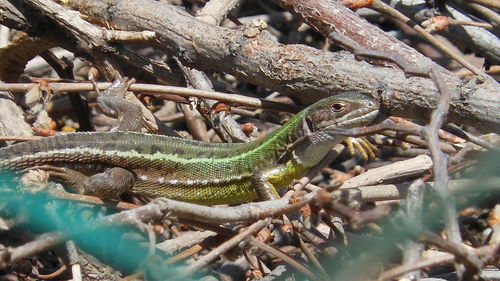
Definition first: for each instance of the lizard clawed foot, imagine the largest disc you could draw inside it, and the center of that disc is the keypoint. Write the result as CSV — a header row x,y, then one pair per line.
x,y
363,145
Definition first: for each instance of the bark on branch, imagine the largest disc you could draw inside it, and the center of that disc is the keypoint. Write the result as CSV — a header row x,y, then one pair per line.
x,y
304,73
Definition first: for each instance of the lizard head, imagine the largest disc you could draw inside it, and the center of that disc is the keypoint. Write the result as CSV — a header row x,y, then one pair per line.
x,y
342,111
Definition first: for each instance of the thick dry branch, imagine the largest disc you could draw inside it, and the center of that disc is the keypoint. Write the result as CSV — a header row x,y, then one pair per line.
x,y
405,169
302,72
62,28
347,29
440,163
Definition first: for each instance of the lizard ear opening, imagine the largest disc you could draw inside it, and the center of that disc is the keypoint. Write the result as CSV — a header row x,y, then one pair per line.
x,y
308,124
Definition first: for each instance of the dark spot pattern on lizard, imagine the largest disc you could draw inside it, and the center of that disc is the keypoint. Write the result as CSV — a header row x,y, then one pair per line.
x,y
118,136
110,146
202,154
225,154
71,137
36,149
139,149
179,151
155,148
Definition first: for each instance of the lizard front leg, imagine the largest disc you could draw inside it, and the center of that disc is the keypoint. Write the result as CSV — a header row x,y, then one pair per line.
x,y
262,180
112,103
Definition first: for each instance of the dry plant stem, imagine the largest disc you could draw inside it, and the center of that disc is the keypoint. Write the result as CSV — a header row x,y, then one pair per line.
x,y
440,162
128,36
15,56
487,13
246,212
54,274
186,253
65,71
386,9
226,232
196,239
355,218
199,80
219,233
286,258
241,213
195,123
471,23
253,262
194,119
226,246
287,68
444,258
74,260
477,39
215,11
412,249
493,71
470,137
158,90
441,133
41,244
14,138
370,130
490,3
374,193
310,255
470,260
483,41
446,147
387,128
394,172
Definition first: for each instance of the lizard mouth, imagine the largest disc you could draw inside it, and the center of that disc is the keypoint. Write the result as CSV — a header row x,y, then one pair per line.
x,y
343,126
364,119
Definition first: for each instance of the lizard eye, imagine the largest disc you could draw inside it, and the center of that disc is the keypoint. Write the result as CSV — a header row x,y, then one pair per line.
x,y
337,107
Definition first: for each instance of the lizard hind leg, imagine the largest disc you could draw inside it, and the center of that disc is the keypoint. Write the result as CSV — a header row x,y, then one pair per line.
x,y
109,184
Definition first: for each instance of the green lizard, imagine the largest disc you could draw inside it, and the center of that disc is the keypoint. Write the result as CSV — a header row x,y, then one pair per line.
x,y
108,164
